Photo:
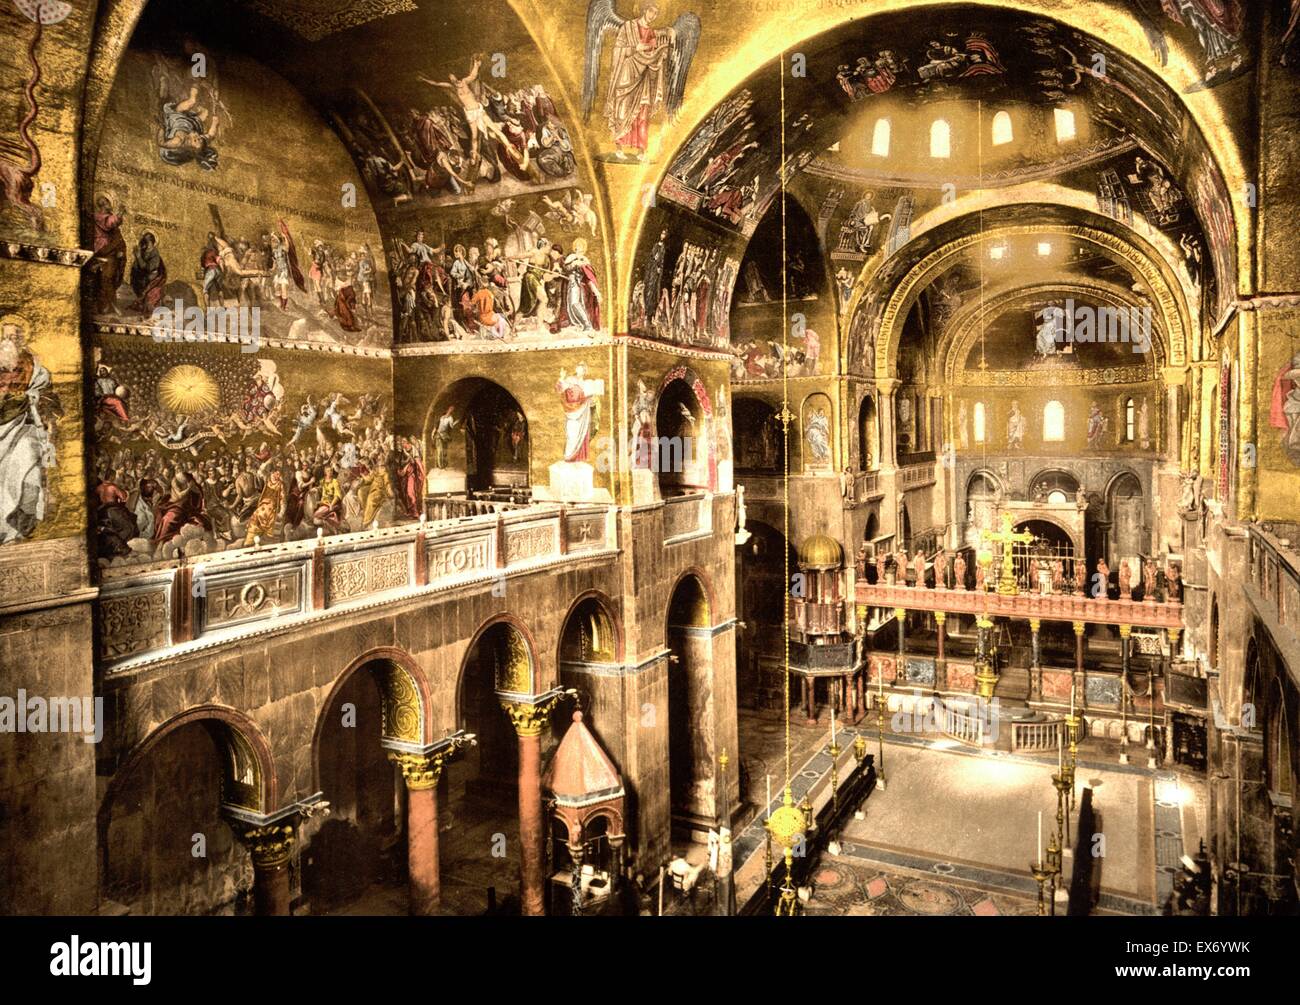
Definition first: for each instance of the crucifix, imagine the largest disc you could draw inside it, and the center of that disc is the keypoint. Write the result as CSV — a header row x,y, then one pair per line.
x,y
1007,585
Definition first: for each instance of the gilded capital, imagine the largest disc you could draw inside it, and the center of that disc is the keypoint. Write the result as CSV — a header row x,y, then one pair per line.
x,y
528,720
421,771
1035,624
269,846
1125,631
1079,626
940,617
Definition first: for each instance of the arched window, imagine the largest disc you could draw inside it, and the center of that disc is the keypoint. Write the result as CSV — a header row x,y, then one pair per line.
x,y
978,423
1130,420
940,139
1064,125
880,138
1053,422
1002,132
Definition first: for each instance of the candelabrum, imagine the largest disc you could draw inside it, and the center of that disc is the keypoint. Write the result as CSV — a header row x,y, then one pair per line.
x,y
880,738
835,787
1042,876
1062,784
1054,868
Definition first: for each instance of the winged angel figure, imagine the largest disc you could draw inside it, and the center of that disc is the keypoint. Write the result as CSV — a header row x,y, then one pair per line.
x,y
647,71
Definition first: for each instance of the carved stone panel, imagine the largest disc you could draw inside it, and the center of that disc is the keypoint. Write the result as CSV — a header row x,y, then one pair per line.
x,y
235,601
527,543
459,558
133,623
351,577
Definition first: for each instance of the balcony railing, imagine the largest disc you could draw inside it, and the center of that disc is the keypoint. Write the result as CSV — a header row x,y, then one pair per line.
x,y
1275,578
241,592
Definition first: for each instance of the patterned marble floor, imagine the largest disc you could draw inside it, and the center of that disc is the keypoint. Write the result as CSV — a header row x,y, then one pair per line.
x,y
845,886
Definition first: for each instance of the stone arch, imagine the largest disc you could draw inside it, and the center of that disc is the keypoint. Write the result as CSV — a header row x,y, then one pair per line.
x,y
677,440
378,706
696,615
247,779
970,322
1169,302
517,669
1172,73
488,448
406,696
605,608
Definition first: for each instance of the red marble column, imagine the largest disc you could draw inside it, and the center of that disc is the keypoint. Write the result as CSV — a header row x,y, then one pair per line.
x,y
532,840
424,871
528,722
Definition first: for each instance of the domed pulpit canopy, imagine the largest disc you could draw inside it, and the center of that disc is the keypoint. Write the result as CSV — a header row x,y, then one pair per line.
x,y
585,783
820,552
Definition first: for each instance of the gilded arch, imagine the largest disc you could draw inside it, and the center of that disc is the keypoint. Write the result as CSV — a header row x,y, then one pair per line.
x,y
1171,309
966,329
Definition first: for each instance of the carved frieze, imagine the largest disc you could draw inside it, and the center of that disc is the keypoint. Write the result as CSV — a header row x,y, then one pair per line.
x,y
133,623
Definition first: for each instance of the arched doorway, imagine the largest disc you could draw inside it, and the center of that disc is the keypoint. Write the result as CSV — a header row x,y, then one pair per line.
x,y
982,491
868,441
478,442
1127,537
689,639
684,460
166,843
481,789
358,846
589,646
1051,544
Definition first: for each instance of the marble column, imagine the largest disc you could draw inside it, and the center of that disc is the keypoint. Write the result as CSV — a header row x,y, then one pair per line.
x,y
1035,667
270,847
1124,634
421,773
940,663
529,721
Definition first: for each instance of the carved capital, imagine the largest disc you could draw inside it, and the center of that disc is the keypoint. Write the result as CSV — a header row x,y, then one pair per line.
x,y
270,846
421,771
1125,631
940,617
1079,626
1035,624
528,719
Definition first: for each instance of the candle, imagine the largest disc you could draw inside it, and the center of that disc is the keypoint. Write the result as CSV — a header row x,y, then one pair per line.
x,y
832,727
769,795
1040,837
1060,751
1072,695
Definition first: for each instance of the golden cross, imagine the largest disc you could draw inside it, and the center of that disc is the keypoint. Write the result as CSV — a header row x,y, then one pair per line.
x,y
1007,537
